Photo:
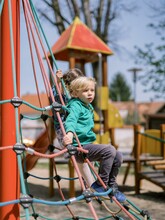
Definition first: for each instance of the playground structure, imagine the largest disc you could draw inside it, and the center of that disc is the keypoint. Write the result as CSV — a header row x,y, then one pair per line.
x,y
12,148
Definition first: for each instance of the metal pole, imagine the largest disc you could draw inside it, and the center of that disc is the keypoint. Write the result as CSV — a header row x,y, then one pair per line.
x,y
9,176
135,71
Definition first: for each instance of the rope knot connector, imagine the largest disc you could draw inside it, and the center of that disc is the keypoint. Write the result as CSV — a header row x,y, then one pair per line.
x,y
26,201
19,148
87,195
16,101
56,106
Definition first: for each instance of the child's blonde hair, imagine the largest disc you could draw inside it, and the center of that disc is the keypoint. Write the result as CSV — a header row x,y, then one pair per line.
x,y
80,84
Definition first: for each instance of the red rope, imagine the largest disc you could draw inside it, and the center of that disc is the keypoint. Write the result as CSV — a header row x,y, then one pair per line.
x,y
31,151
49,91
6,148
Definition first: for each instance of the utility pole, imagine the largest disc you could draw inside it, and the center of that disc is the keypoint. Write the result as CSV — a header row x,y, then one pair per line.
x,y
135,71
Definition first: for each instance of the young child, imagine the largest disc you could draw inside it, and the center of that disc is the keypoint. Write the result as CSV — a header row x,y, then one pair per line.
x,y
68,77
80,121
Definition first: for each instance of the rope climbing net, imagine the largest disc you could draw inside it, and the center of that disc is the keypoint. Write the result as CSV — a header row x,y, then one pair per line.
x,y
26,199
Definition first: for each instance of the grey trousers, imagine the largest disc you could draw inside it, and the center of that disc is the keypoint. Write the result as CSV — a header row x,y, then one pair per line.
x,y
109,158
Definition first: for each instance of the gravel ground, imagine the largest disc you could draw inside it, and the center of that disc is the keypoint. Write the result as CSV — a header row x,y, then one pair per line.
x,y
152,199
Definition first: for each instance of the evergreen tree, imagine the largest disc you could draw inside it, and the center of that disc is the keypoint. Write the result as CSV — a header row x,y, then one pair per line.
x,y
119,89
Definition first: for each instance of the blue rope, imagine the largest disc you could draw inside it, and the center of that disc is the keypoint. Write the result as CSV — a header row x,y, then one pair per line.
x,y
1,6
37,108
69,201
52,177
12,47
9,202
5,101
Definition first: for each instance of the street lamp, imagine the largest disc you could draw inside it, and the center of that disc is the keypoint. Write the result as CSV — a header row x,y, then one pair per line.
x,y
135,71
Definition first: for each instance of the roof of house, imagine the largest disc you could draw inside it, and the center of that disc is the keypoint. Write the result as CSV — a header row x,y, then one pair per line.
x,y
114,116
144,108
33,99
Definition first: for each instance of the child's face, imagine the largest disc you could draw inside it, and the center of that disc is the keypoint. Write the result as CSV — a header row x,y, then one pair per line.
x,y
87,95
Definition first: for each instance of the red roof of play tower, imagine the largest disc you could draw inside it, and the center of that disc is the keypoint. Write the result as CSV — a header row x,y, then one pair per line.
x,y
79,39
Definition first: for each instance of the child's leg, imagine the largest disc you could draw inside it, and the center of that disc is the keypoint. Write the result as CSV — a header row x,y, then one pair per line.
x,y
86,173
110,161
115,169
105,154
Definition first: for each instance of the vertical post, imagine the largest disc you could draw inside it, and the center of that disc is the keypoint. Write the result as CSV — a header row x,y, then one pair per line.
x,y
105,83
99,96
112,137
162,129
9,176
71,167
135,71
137,150
51,134
72,62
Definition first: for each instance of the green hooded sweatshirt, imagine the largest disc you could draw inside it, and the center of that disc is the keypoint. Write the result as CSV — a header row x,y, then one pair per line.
x,y
80,120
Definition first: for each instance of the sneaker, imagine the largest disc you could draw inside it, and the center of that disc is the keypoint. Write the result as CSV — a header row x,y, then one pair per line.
x,y
117,194
97,187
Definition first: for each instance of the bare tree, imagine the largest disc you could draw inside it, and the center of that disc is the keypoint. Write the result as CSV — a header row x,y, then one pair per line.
x,y
99,15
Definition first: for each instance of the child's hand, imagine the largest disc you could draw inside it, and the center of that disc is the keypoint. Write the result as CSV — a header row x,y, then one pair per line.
x,y
68,138
59,75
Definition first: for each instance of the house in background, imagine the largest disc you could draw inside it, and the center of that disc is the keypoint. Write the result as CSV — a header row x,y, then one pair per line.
x,y
124,134
146,111
151,115
32,125
115,119
34,100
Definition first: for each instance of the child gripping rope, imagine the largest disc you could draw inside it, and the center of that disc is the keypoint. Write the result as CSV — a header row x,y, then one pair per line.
x,y
80,120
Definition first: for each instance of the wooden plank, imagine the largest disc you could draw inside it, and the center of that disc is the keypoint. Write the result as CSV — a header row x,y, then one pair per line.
x,y
155,177
159,167
157,162
158,173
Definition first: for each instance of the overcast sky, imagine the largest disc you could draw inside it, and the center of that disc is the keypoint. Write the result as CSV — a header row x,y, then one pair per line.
x,y
136,32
